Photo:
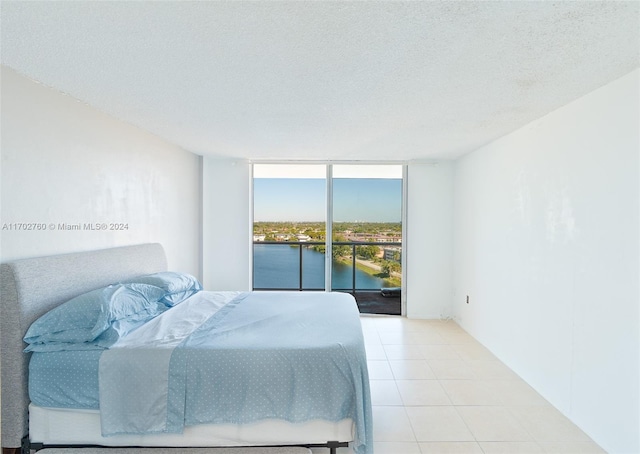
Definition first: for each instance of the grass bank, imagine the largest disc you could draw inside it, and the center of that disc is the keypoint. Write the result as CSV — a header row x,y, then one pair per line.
x,y
389,281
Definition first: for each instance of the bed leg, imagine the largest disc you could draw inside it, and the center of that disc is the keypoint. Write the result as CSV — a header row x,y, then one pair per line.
x,y
26,445
334,445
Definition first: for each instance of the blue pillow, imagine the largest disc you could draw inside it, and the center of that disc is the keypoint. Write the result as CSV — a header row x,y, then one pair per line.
x,y
124,326
86,317
108,337
178,286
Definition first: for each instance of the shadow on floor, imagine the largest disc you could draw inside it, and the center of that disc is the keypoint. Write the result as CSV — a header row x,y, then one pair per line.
x,y
374,303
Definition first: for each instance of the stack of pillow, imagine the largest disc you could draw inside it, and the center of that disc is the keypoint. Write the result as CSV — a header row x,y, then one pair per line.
x,y
97,319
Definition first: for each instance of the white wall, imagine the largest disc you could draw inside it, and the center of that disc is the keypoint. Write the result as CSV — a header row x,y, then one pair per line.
x,y
428,245
65,162
227,224
546,245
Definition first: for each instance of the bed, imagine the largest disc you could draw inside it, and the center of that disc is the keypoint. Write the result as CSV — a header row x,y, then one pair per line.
x,y
32,287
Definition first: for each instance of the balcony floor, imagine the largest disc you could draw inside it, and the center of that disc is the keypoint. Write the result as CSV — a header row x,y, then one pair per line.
x,y
372,302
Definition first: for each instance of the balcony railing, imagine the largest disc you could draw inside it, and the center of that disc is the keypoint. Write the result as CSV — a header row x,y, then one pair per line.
x,y
285,270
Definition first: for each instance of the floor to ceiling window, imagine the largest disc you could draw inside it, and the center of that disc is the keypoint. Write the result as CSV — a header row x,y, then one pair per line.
x,y
352,214
289,224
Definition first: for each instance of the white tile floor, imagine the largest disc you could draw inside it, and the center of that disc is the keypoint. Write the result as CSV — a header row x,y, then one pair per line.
x,y
435,389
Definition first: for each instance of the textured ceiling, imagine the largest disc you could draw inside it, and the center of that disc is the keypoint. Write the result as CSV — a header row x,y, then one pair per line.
x,y
324,80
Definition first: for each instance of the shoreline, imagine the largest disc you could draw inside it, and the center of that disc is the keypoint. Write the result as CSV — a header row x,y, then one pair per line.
x,y
372,269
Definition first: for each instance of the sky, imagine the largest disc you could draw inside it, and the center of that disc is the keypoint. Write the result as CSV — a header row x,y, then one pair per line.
x,y
303,199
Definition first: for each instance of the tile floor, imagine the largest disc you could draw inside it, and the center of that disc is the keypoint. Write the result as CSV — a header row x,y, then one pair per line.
x,y
435,389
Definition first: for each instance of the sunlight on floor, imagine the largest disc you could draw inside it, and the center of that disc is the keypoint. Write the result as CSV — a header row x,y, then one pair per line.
x,y
435,389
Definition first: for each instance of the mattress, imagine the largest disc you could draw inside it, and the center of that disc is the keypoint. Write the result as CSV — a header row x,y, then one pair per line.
x,y
61,426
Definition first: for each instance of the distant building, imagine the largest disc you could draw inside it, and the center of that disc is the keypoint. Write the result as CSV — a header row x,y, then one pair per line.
x,y
393,254
387,239
259,237
374,238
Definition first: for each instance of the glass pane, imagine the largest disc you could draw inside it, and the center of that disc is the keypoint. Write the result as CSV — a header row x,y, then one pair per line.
x,y
275,266
367,215
313,263
289,205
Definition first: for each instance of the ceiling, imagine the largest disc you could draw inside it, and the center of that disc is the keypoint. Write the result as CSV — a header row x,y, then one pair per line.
x,y
316,80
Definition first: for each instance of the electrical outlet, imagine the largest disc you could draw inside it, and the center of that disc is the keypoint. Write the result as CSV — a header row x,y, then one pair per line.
x,y
467,299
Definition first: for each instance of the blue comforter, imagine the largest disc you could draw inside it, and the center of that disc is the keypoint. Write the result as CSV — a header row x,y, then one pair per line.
x,y
292,356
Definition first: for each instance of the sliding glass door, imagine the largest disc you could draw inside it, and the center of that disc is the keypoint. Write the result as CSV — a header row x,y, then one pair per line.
x,y
330,227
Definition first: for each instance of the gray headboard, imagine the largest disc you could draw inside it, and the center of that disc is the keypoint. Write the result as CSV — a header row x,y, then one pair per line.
x,y
31,287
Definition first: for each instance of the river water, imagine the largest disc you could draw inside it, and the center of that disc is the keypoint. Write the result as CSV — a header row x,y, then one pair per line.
x,y
276,266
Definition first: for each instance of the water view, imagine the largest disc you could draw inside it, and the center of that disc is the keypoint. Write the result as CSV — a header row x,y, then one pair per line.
x,y
278,266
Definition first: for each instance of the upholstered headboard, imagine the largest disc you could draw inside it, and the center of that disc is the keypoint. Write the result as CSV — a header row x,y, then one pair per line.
x,y
31,287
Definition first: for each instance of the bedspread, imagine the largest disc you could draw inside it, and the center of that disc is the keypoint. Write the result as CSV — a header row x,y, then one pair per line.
x,y
291,356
